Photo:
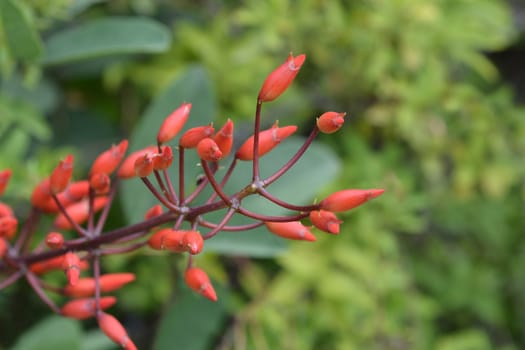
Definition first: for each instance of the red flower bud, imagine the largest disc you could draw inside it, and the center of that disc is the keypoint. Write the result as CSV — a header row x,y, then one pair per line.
x,y
41,197
61,175
100,182
348,199
163,160
74,192
208,150
80,309
224,138
8,226
109,160
192,137
79,212
193,242
5,210
5,175
325,220
152,212
199,281
3,247
290,230
114,330
279,80
169,239
54,264
127,169
330,122
268,139
70,265
109,282
54,240
144,165
173,123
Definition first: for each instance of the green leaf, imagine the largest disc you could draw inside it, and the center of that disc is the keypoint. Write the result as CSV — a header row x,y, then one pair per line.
x,y
191,323
107,36
22,39
96,340
52,333
192,86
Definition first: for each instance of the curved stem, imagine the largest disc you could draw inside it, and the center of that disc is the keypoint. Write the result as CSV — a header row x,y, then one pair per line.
x,y
224,179
73,223
221,224
302,208
121,250
27,229
105,212
231,228
256,128
157,195
216,187
260,217
171,189
11,279
96,276
181,174
292,160
33,281
163,188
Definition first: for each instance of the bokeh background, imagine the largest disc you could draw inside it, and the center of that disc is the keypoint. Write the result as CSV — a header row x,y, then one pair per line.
x,y
433,90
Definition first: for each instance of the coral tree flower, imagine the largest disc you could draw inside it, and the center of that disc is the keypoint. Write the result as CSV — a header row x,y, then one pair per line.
x,y
114,330
193,242
325,221
192,137
54,240
61,175
144,165
224,138
109,160
71,266
163,160
348,199
268,140
279,80
208,150
199,281
83,308
127,169
173,123
109,282
100,182
168,239
290,230
330,122
5,175
8,226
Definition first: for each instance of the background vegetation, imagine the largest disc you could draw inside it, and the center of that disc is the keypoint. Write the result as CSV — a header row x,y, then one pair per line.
x,y
435,263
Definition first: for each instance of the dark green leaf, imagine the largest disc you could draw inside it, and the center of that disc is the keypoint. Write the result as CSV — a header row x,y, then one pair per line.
x,y
107,36
52,333
21,37
191,323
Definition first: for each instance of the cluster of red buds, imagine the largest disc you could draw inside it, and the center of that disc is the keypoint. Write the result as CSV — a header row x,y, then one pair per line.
x,y
77,240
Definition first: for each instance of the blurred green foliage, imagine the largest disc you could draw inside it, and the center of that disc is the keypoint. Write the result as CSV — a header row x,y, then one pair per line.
x,y
435,263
